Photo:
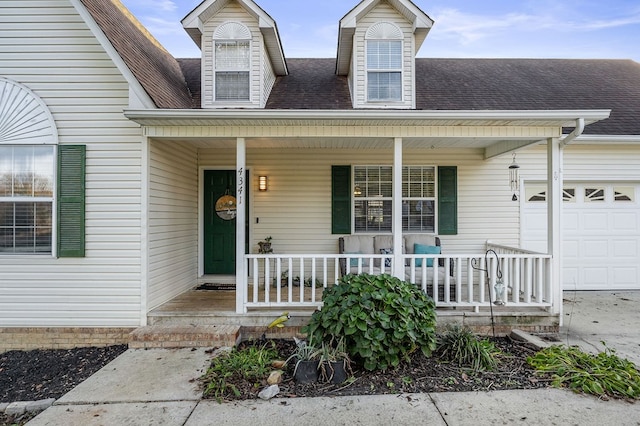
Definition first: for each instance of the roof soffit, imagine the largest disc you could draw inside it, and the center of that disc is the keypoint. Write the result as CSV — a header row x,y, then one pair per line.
x,y
193,24
422,23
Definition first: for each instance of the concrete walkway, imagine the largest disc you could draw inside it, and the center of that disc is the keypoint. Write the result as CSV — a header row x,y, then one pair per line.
x,y
159,387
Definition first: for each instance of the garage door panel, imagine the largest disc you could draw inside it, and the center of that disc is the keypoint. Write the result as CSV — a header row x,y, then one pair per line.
x,y
595,277
624,277
570,221
598,222
595,248
625,249
570,277
571,250
625,222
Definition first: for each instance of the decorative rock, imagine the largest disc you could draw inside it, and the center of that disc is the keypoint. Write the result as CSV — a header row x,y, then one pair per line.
x,y
3,406
16,408
275,378
41,405
269,392
278,363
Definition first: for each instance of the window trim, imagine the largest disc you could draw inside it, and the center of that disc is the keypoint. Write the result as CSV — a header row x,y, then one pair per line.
x,y
52,200
387,32
434,199
236,32
389,71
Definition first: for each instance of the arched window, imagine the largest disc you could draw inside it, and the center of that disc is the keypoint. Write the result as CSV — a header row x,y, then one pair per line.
x,y
232,42
28,137
384,62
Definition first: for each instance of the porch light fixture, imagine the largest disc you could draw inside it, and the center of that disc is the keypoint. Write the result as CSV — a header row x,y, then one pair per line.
x,y
514,180
263,183
357,191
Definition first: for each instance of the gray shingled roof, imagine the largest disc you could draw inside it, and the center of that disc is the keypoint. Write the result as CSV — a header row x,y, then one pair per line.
x,y
536,84
441,84
157,71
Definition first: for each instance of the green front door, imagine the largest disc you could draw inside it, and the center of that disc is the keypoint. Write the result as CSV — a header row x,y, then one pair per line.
x,y
219,232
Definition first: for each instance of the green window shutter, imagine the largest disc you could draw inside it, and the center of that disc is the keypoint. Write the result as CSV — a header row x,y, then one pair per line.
x,y
71,200
340,199
448,200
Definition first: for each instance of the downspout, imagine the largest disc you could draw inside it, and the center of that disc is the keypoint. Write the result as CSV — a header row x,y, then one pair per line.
x,y
576,132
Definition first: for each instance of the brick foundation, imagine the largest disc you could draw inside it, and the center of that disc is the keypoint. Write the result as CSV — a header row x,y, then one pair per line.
x,y
27,338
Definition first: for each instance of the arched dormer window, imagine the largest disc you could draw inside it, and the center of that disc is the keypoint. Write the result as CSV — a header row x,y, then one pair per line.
x,y
384,62
232,62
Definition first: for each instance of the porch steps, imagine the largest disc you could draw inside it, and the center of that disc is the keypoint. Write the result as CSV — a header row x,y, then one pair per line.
x,y
184,336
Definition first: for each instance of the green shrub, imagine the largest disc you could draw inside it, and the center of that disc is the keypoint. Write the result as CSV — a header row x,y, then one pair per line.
x,y
602,374
252,363
460,346
381,318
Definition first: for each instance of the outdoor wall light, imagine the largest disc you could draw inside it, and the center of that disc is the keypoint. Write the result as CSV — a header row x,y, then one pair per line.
x,y
263,183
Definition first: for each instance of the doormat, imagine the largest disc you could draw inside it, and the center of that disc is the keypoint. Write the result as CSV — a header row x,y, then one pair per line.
x,y
216,286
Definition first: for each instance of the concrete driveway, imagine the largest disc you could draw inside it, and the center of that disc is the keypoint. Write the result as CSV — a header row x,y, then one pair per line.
x,y
612,317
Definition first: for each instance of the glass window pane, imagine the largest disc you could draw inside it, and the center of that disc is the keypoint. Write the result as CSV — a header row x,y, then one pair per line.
x,y
25,227
26,171
23,171
232,55
232,86
6,171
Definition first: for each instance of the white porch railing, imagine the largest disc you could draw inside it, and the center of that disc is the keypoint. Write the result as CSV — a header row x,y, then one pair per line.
x,y
456,280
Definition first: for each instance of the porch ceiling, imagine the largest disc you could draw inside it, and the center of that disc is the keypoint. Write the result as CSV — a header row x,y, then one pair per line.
x,y
354,143
499,131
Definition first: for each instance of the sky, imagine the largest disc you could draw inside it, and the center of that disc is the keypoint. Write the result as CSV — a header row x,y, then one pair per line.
x,y
463,28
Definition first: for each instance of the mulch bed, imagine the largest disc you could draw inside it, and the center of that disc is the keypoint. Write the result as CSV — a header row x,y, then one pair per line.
x,y
420,374
42,374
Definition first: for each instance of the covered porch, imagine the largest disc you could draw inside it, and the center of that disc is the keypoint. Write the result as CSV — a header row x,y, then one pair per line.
x,y
471,277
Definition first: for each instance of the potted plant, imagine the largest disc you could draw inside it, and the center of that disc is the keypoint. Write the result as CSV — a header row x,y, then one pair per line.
x,y
334,361
307,359
265,246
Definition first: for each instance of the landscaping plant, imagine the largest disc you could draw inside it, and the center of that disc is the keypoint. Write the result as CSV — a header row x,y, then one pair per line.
x,y
251,363
382,319
602,374
460,346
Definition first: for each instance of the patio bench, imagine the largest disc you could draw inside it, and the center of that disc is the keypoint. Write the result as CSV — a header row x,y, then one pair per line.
x,y
383,244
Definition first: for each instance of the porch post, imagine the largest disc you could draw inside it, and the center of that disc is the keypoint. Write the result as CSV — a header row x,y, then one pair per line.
x,y
554,220
241,202
398,266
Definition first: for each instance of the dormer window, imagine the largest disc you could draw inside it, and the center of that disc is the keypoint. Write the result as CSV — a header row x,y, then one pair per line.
x,y
384,62
232,62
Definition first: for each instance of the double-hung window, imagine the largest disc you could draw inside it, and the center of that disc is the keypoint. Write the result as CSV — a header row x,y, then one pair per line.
x,y
419,199
384,62
232,70
384,70
373,202
26,198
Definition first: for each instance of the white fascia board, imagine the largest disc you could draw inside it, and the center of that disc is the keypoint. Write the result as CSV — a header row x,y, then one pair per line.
x,y
606,139
562,117
134,85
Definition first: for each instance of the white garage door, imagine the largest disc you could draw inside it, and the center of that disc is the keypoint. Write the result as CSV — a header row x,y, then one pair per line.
x,y
601,231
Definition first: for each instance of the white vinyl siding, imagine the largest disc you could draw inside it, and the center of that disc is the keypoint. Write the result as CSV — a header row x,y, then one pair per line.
x,y
296,210
232,12
49,49
173,221
383,12
269,78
